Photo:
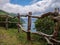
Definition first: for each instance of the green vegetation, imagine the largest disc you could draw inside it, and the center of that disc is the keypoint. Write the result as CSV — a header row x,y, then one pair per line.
x,y
45,25
12,37
3,12
11,25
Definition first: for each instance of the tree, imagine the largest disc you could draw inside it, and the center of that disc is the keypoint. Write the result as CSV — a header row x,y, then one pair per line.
x,y
13,25
45,25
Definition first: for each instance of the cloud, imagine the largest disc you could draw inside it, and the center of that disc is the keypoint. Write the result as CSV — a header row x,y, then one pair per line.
x,y
33,1
38,7
2,2
56,4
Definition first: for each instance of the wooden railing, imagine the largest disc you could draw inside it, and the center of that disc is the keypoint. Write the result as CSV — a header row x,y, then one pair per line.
x,y
29,15
48,38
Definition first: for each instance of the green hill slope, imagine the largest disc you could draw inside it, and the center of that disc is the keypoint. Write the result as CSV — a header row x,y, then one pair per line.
x,y
12,37
3,12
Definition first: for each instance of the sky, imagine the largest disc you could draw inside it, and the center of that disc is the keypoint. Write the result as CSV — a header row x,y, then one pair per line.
x,y
23,2
37,7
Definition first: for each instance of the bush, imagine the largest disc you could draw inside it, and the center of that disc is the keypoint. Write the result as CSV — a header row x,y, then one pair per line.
x,y
45,25
11,25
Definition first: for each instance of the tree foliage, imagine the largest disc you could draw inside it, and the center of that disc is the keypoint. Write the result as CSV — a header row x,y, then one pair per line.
x,y
11,25
45,25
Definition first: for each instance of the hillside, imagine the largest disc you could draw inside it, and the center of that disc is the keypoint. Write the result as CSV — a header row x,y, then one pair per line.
x,y
3,12
6,13
11,14
12,37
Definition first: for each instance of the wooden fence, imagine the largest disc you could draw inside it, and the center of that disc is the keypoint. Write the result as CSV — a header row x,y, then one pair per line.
x,y
46,36
29,15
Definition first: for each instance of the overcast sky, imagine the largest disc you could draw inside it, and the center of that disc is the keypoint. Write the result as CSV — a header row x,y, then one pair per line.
x,y
25,6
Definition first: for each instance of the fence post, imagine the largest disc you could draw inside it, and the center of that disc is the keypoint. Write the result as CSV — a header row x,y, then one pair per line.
x,y
6,22
29,26
18,22
56,28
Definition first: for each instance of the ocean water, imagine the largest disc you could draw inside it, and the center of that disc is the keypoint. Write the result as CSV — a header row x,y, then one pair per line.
x,y
25,25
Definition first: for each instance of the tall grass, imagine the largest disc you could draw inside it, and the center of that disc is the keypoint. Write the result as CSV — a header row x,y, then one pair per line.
x,y
12,37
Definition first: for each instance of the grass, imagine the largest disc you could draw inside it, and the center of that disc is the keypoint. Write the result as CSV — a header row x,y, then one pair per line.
x,y
12,37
